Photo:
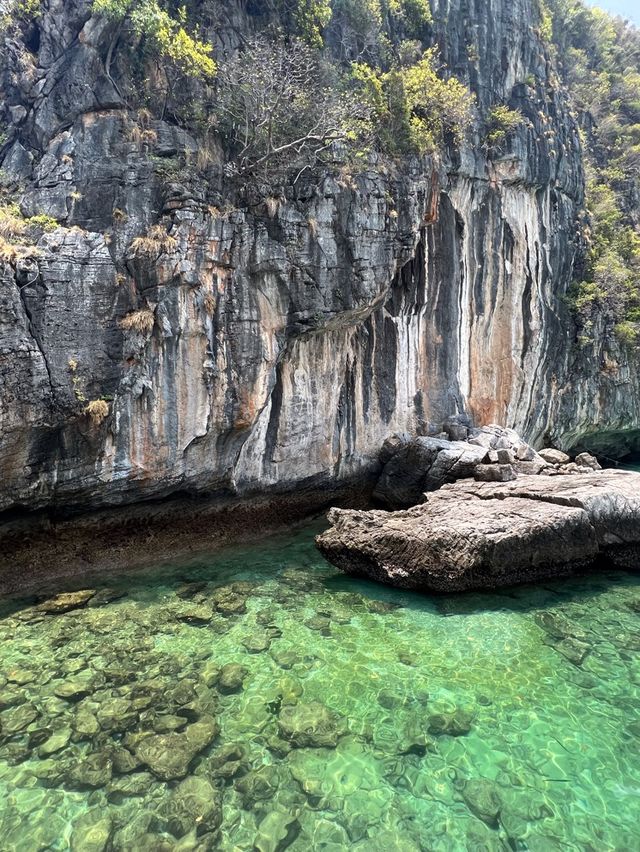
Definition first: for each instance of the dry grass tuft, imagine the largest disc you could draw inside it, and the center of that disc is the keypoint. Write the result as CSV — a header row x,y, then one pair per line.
x,y
13,225
346,180
204,158
273,205
209,304
149,137
312,224
8,253
144,117
141,321
157,240
97,410
134,134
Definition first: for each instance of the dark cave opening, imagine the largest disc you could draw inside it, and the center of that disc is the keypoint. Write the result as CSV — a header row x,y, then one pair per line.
x,y
612,448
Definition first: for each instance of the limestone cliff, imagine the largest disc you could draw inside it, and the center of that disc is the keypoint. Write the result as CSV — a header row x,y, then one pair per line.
x,y
288,339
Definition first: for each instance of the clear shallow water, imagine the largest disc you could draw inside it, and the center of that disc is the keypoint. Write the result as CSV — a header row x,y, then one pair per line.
x,y
257,699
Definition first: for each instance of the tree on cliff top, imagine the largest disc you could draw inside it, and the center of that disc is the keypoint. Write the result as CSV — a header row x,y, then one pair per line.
x,y
280,106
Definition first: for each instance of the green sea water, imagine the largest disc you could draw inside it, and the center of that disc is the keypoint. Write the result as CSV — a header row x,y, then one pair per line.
x,y
256,699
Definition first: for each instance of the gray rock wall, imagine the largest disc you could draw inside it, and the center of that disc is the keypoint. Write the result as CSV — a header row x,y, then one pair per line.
x,y
291,338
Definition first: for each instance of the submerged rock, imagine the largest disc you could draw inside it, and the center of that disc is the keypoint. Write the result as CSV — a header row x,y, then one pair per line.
x,y
116,714
91,831
18,718
21,677
75,688
65,602
231,678
165,755
56,742
195,804
482,799
311,725
93,771
455,724
276,831
256,643
472,535
573,649
198,615
260,785
169,756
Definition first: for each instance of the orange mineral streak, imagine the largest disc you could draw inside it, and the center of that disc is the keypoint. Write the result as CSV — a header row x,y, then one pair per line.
x,y
431,214
145,453
492,378
247,410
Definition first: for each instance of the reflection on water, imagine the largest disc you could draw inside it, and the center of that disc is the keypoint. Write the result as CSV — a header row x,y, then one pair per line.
x,y
255,699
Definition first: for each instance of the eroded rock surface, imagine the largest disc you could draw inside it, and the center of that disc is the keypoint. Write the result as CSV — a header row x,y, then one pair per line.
x,y
473,535
281,353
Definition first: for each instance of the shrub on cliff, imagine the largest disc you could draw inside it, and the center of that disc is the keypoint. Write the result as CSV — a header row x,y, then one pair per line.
x,y
282,105
502,121
167,36
368,30
414,107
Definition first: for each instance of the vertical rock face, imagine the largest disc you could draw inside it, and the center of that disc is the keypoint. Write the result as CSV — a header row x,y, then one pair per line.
x,y
289,338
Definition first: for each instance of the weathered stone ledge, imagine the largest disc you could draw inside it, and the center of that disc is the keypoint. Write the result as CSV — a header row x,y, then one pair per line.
x,y
475,535
38,549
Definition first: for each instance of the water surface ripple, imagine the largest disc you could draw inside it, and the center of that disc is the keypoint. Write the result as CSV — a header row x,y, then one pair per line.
x,y
255,699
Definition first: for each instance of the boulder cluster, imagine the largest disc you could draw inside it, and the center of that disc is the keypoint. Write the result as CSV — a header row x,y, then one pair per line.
x,y
415,465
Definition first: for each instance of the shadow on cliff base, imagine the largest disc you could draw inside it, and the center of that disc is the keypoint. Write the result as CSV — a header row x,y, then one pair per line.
x,y
613,448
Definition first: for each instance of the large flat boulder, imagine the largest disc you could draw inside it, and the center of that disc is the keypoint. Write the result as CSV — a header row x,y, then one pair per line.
x,y
473,535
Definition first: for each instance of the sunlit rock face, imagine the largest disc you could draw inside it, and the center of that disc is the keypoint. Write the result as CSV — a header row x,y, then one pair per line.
x,y
289,338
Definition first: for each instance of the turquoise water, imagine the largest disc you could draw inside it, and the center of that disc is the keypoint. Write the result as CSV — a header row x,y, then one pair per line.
x,y
256,699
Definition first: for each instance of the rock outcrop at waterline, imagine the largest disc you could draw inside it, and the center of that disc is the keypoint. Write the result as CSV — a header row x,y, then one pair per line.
x,y
474,535
412,466
238,347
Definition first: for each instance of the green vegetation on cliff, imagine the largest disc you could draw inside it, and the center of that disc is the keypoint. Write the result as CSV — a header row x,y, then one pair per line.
x,y
357,74
599,57
167,36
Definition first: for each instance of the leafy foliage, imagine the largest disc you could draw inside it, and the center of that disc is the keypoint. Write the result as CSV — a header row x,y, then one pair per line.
x,y
367,30
600,60
14,12
311,16
167,35
502,121
27,9
341,77
414,107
